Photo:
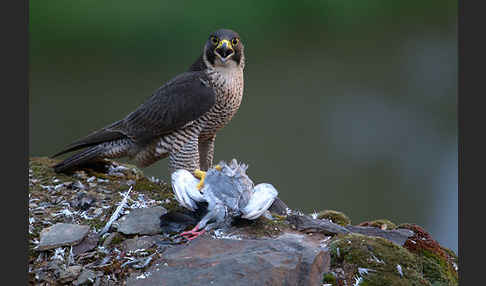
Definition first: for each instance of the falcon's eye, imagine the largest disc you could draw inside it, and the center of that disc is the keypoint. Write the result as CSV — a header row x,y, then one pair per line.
x,y
234,42
214,40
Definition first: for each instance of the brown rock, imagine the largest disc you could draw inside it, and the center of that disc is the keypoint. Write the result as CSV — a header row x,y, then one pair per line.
x,y
291,259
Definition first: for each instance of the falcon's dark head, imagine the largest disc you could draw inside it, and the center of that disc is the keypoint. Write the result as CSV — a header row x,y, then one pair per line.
x,y
224,48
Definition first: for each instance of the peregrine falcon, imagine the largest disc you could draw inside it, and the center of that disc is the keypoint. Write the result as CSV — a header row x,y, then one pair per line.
x,y
180,119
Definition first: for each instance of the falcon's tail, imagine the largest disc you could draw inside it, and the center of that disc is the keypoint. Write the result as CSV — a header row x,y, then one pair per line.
x,y
80,158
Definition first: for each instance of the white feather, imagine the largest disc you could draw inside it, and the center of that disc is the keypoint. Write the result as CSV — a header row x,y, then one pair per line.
x,y
185,189
263,196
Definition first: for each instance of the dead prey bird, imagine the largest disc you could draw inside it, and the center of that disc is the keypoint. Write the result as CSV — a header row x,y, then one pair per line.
x,y
228,192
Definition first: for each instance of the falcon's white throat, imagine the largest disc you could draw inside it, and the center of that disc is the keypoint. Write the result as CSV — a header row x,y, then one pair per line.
x,y
229,70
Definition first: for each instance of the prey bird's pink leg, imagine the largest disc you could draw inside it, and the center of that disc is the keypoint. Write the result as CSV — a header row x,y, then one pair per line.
x,y
193,233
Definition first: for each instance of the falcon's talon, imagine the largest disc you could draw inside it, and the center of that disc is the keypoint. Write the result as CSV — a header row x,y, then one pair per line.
x,y
200,175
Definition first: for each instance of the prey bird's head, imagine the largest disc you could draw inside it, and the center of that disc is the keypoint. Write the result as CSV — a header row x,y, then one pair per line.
x,y
224,48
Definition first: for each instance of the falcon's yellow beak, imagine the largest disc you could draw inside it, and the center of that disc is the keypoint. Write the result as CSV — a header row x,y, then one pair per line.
x,y
224,49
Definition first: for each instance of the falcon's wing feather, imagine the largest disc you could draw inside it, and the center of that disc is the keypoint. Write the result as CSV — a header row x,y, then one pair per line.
x,y
178,102
94,138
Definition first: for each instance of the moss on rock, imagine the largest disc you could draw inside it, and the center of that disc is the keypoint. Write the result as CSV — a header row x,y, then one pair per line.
x,y
334,216
329,278
439,264
422,261
382,262
379,257
39,168
380,223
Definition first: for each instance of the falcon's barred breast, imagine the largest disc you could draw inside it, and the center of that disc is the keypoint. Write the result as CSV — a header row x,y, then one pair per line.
x,y
180,120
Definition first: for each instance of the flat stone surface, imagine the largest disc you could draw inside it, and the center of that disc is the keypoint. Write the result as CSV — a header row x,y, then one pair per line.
x,y
87,244
144,242
307,224
141,221
397,236
71,273
62,234
109,239
87,277
291,259
175,221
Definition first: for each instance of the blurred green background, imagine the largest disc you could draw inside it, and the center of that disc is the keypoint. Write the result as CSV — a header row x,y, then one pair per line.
x,y
348,105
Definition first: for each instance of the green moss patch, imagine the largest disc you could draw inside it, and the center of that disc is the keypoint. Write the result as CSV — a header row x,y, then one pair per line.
x,y
439,264
334,216
421,261
329,278
380,223
379,257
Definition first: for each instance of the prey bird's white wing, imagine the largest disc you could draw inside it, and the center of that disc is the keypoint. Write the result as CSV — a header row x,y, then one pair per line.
x,y
185,189
262,198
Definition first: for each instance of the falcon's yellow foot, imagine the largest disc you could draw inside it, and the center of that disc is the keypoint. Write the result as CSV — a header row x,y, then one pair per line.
x,y
200,175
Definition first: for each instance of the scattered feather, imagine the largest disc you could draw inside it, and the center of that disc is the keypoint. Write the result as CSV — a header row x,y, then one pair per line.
x,y
364,271
154,180
41,257
219,234
79,185
57,187
104,262
84,215
376,259
71,256
117,170
144,264
46,187
143,275
357,280
131,261
455,266
103,249
65,212
399,269
58,254
117,212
